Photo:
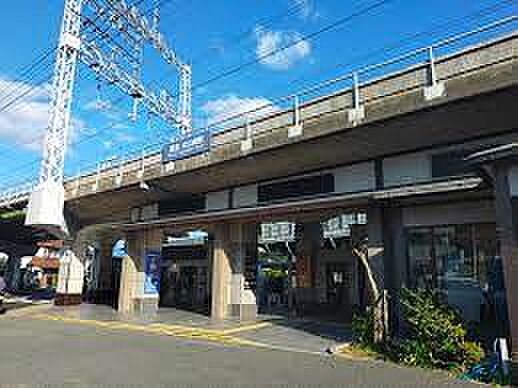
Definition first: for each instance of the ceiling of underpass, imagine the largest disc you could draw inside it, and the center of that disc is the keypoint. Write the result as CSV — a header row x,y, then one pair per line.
x,y
468,118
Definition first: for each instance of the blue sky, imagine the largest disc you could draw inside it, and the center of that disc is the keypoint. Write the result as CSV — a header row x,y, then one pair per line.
x,y
214,36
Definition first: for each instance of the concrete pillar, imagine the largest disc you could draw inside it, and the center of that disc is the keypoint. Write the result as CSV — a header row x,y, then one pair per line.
x,y
507,230
233,271
395,263
71,274
220,272
140,272
308,240
376,268
308,244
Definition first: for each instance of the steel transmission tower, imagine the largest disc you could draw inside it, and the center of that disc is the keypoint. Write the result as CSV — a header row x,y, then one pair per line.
x,y
108,36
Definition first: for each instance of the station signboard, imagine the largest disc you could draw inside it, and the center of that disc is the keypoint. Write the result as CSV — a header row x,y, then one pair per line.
x,y
187,146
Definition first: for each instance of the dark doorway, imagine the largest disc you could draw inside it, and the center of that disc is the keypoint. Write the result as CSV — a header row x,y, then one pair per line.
x,y
184,287
116,281
338,286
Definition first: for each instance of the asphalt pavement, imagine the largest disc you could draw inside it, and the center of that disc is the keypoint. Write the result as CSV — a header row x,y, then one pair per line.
x,y
38,351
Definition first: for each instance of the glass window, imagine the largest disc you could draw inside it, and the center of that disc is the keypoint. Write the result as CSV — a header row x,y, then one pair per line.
x,y
442,254
420,251
453,247
487,251
462,261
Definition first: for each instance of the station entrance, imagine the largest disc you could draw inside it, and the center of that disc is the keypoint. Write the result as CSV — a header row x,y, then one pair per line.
x,y
185,272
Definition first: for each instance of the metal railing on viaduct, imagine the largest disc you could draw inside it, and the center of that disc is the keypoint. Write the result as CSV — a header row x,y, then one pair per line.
x,y
418,69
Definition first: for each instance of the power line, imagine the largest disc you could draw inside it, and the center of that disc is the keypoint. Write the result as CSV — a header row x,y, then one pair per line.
x,y
16,85
158,3
336,24
92,136
31,88
238,38
244,113
411,38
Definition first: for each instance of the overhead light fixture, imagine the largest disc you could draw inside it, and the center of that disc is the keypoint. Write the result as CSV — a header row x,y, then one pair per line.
x,y
144,186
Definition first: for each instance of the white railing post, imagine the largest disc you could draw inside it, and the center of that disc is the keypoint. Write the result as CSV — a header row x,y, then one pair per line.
x,y
247,142
78,180
140,174
357,113
97,178
434,89
356,91
433,74
118,178
296,129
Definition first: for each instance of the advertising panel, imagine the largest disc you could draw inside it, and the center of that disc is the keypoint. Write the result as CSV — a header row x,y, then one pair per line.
x,y
152,273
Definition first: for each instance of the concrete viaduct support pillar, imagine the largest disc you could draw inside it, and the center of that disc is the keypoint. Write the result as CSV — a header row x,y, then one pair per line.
x,y
233,271
308,236
395,263
376,256
140,272
71,274
505,180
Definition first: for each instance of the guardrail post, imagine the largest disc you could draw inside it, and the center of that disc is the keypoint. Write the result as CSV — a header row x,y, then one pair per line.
x,y
140,174
247,143
433,74
357,113
296,129
78,180
434,89
209,139
95,186
118,178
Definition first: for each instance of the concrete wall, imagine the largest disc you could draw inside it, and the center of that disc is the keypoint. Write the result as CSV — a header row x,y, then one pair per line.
x,y
272,131
218,200
245,196
406,169
358,177
449,214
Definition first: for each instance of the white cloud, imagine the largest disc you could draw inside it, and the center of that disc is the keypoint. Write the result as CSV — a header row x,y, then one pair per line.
x,y
280,50
104,108
306,8
24,123
231,105
217,46
97,105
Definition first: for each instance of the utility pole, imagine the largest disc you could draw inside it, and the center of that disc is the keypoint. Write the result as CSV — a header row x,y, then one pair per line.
x,y
107,36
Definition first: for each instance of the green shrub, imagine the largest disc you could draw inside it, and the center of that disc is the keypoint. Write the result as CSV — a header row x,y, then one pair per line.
x,y
436,334
435,337
363,328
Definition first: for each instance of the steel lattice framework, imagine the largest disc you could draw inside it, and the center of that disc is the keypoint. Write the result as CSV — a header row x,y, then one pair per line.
x,y
108,36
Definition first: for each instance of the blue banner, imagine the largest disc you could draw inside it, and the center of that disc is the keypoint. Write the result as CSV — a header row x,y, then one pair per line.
x,y
152,273
188,146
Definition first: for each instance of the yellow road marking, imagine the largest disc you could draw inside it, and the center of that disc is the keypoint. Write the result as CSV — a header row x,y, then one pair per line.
x,y
160,329
254,326
222,337
26,310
